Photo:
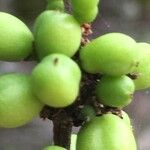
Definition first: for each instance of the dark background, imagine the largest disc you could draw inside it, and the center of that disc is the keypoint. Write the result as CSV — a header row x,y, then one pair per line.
x,y
131,17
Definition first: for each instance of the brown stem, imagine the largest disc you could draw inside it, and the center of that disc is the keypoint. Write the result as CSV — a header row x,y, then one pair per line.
x,y
86,32
62,129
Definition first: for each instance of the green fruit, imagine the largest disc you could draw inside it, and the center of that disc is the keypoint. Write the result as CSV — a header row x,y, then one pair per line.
x,y
113,54
86,17
18,106
56,80
54,148
143,69
85,11
115,91
88,112
84,5
126,118
73,142
59,35
15,38
55,5
108,132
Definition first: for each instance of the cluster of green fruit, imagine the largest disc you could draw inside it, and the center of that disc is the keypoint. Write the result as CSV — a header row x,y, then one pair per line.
x,y
84,11
55,81
125,67
119,58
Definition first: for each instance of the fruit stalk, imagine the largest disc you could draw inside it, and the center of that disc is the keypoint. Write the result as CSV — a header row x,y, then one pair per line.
x,y
62,129
62,125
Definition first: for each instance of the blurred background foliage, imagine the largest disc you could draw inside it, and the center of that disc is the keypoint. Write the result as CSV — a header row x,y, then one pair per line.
x,y
131,17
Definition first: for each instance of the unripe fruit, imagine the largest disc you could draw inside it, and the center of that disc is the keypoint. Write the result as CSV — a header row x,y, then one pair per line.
x,y
126,118
115,91
113,54
18,106
86,17
56,32
16,39
107,132
143,69
85,11
55,5
84,5
54,148
56,80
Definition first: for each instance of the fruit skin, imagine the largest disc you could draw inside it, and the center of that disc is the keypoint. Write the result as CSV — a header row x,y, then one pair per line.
x,y
16,39
55,5
54,148
112,54
84,5
73,142
56,80
115,91
107,132
59,35
18,106
86,17
126,118
143,69
85,11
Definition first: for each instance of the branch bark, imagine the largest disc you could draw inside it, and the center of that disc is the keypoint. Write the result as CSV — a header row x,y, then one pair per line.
x,y
62,129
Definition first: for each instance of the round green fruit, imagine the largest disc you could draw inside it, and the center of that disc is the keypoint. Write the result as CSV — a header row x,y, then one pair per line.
x,y
55,5
56,80
112,54
107,132
54,148
56,32
16,39
143,69
86,17
84,5
85,11
115,91
18,106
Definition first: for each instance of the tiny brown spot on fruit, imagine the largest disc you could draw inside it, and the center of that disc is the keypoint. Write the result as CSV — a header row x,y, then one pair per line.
x,y
133,76
55,61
